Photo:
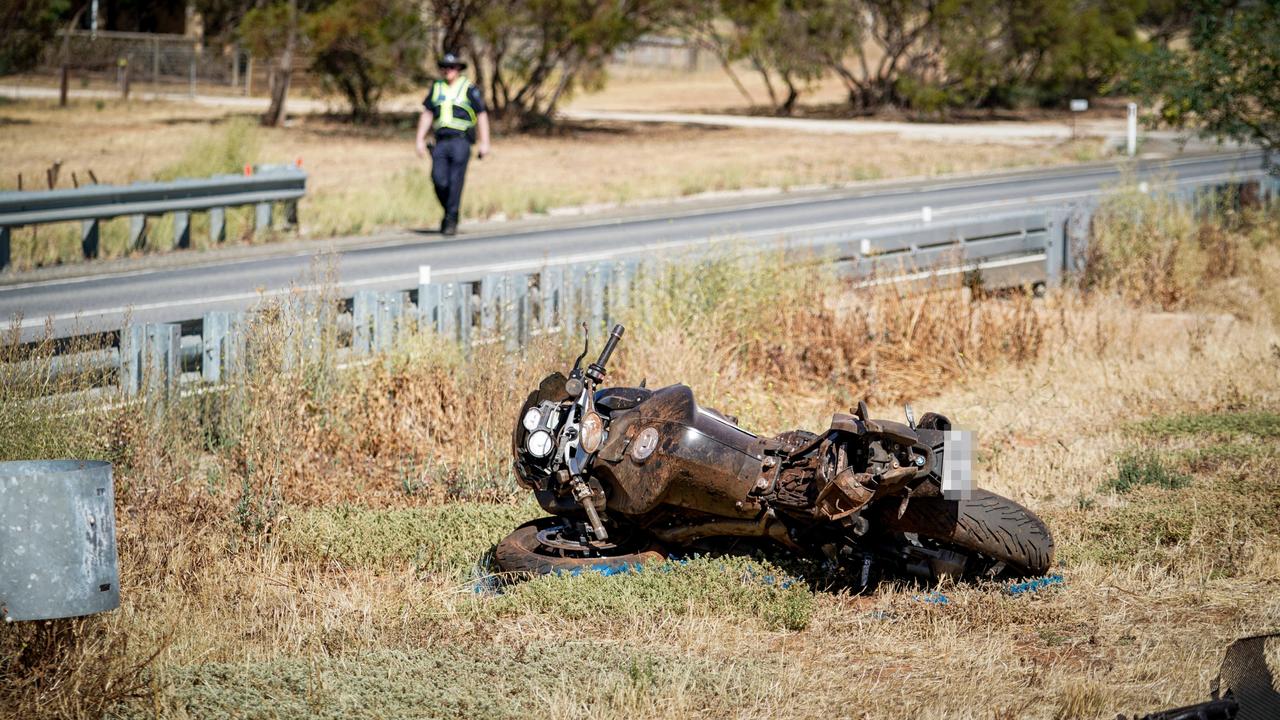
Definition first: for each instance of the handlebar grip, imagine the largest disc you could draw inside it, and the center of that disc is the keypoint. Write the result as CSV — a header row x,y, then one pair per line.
x,y
614,337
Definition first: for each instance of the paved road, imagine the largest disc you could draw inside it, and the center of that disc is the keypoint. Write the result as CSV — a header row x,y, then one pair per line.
x,y
159,294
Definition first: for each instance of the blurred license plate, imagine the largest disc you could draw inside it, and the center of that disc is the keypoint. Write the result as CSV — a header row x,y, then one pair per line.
x,y
957,464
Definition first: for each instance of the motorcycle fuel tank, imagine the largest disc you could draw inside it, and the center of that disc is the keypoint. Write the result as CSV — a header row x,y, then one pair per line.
x,y
701,462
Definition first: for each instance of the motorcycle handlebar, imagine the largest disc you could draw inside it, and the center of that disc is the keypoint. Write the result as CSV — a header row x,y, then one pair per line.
x,y
614,337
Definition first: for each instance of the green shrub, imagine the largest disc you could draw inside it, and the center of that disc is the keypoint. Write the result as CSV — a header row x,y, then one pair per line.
x,y
1146,467
1261,424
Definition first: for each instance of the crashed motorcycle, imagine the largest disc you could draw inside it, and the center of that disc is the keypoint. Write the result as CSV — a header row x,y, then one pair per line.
x,y
632,474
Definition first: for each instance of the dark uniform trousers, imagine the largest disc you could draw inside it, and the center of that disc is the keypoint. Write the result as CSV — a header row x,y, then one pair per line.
x,y
448,171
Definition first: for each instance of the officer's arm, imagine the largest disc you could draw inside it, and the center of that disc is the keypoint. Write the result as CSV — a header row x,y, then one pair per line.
x,y
424,124
482,130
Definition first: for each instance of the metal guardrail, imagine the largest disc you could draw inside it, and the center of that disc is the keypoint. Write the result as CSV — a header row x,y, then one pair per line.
x,y
998,250
161,359
90,204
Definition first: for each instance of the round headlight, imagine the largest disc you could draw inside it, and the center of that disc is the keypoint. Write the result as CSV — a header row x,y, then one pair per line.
x,y
540,444
592,433
531,419
646,442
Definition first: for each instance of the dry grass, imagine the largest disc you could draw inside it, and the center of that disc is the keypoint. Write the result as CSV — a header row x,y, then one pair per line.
x,y
362,180
304,553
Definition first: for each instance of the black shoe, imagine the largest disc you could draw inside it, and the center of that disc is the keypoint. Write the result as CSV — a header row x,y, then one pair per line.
x,y
449,228
443,224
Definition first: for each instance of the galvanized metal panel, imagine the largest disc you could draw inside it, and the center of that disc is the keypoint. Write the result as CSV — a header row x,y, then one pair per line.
x,y
57,539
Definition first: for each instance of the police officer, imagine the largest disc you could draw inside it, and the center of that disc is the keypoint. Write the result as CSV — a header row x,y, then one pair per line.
x,y
455,111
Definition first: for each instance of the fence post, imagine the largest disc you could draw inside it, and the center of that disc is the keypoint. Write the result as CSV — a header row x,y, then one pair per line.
x,y
192,72
5,250
182,229
217,225
89,238
155,64
248,75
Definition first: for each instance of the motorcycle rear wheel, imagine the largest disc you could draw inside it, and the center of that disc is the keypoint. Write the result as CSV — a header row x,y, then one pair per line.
x,y
522,552
1012,538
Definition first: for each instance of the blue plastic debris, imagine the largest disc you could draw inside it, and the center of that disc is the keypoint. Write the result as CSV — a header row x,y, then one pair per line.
x,y
1034,585
934,597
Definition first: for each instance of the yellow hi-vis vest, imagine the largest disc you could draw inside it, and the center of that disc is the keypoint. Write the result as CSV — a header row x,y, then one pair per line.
x,y
448,98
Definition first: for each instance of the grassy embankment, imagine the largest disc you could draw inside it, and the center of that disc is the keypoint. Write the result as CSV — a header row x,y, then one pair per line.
x,y
365,179
312,543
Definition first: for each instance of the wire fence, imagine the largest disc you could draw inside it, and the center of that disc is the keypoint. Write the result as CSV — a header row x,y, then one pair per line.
x,y
161,60
177,61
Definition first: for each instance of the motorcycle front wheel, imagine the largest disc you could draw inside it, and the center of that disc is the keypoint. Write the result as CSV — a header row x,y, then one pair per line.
x,y
539,547
1010,539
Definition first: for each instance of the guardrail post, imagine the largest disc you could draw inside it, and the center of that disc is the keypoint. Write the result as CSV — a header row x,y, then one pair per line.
x,y
430,296
466,293
575,280
389,319
262,216
89,236
182,229
132,339
364,310
214,332
489,299
1055,248
164,357
550,297
291,213
599,278
217,225
5,251
137,231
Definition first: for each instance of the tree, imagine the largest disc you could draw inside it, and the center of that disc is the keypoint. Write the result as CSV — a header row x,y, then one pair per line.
x,y
1226,82
533,53
29,26
364,47
272,31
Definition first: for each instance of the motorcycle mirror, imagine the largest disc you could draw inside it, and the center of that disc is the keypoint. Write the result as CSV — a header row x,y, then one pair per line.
x,y
911,416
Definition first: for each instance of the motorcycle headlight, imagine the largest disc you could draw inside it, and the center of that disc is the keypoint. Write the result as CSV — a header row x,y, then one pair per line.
x,y
531,419
539,444
591,433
